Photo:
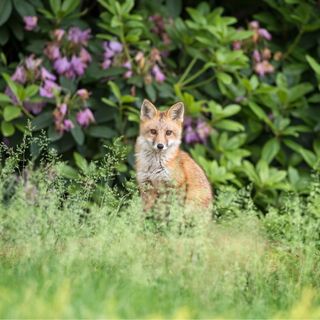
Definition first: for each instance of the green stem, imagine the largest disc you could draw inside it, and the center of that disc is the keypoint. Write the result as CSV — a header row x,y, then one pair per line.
x,y
196,75
294,43
188,69
26,112
200,83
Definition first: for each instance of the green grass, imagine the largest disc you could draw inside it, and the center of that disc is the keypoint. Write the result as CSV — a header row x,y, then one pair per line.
x,y
64,256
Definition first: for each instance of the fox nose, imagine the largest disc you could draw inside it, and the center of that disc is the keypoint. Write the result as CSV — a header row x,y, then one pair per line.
x,y
160,146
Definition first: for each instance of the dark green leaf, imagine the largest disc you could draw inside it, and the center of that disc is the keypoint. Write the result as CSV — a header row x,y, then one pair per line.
x,y
78,134
101,132
5,10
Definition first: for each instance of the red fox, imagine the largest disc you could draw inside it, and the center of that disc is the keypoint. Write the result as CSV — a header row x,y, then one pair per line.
x,y
161,165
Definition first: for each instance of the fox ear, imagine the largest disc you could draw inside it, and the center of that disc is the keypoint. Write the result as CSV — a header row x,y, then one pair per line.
x,y
176,112
148,110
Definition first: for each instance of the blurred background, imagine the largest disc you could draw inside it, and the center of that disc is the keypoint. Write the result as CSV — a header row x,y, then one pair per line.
x,y
248,73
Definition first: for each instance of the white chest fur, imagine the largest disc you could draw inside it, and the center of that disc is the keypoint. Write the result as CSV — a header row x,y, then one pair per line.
x,y
152,165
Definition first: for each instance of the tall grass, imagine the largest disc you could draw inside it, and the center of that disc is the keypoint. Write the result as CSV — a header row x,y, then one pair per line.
x,y
70,249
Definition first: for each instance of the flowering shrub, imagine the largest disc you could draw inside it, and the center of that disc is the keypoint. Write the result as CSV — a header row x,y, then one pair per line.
x,y
250,86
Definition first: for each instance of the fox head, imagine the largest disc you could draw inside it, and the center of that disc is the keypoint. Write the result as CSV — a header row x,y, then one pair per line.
x,y
161,130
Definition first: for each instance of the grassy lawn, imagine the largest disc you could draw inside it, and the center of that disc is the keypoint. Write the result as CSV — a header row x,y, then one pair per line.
x,y
65,257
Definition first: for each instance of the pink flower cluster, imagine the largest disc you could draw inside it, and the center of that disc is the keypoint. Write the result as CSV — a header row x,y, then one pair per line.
x,y
29,72
150,66
30,22
111,50
196,131
68,52
260,53
159,28
84,117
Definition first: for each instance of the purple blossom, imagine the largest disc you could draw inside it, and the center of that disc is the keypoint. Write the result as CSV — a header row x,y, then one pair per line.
x,y
68,125
58,34
30,22
83,94
78,65
48,88
85,117
128,74
63,108
108,53
264,33
34,107
236,45
264,67
52,51
46,75
115,46
19,75
85,56
127,65
10,94
203,130
62,65
190,135
158,74
77,36
256,56
32,63
106,64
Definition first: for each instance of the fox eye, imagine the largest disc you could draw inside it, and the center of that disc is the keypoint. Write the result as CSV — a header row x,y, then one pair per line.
x,y
168,132
153,131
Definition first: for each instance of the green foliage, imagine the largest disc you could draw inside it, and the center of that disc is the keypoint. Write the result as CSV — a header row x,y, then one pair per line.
x,y
255,84
64,254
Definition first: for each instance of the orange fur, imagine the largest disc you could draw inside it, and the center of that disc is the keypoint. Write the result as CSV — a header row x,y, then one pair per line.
x,y
163,170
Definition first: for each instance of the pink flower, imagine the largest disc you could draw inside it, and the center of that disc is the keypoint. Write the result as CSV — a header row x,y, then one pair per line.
x,y
32,63
77,36
46,75
34,107
58,34
203,130
236,45
52,51
30,22
108,53
85,56
48,89
63,108
256,56
62,65
68,125
158,74
78,66
254,24
106,64
83,94
20,75
127,65
263,67
264,33
85,117
128,74
190,135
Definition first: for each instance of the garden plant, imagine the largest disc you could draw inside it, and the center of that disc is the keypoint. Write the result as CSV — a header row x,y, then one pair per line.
x,y
74,239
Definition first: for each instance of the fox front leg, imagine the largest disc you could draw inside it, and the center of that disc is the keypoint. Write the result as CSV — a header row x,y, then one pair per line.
x,y
149,196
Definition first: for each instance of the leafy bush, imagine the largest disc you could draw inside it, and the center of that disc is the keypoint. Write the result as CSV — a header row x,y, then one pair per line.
x,y
250,85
